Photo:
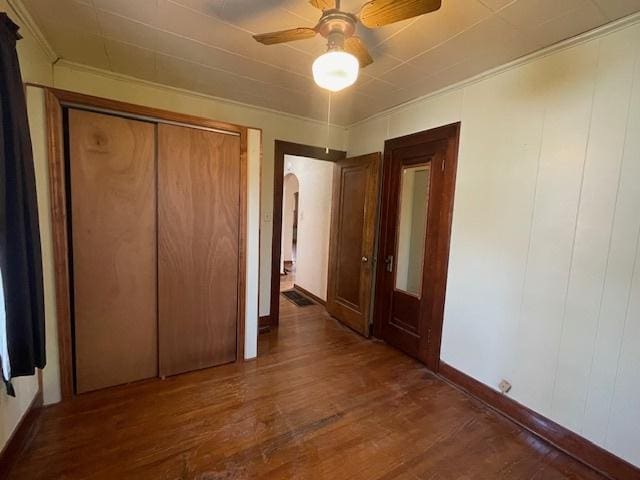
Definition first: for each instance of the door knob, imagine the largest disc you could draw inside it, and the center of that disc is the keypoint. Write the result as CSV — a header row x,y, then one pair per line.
x,y
365,259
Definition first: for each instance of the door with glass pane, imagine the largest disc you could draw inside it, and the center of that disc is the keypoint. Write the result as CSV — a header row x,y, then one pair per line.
x,y
419,176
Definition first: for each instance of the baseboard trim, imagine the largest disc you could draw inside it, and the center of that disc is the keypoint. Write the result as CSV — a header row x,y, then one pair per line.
x,y
563,439
21,436
264,324
313,297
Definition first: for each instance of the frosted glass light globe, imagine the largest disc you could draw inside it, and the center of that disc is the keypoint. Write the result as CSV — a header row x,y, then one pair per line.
x,y
335,70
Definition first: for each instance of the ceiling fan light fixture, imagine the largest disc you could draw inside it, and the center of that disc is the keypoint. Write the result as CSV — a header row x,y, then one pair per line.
x,y
335,70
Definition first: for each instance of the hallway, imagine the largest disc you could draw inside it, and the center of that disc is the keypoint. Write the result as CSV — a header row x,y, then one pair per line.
x,y
320,402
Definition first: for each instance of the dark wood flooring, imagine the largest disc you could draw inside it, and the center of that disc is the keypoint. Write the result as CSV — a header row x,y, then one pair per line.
x,y
320,402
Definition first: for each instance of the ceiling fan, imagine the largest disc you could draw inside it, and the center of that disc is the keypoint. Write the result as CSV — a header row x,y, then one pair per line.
x,y
346,53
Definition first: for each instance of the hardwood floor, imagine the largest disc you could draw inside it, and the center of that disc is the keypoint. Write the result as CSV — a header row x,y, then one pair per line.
x,y
287,281
320,402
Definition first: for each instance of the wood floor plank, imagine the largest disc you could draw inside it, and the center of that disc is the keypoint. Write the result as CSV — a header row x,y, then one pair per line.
x,y
320,402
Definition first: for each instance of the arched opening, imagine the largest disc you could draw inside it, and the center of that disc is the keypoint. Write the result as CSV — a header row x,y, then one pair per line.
x,y
306,218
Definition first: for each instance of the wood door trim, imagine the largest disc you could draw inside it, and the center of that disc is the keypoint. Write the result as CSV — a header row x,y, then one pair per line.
x,y
282,148
242,244
55,100
560,437
81,100
451,134
57,183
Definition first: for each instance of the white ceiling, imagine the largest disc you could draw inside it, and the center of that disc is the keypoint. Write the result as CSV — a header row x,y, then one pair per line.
x,y
206,45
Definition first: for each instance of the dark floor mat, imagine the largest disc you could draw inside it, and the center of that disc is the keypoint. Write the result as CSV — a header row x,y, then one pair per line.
x,y
297,298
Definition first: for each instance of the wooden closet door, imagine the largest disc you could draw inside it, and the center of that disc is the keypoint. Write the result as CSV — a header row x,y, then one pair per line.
x,y
198,247
113,217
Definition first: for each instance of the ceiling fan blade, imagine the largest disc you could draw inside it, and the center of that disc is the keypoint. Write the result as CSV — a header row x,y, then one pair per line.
x,y
377,13
324,4
355,47
284,36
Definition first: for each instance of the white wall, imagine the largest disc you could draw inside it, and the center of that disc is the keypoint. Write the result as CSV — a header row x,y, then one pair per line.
x,y
254,149
290,187
315,179
544,276
37,120
35,67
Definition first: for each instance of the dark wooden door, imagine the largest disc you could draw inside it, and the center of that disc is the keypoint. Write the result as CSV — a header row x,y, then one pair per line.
x,y
198,247
113,218
417,203
354,213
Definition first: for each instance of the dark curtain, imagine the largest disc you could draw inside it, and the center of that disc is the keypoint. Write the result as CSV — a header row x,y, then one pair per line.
x,y
20,257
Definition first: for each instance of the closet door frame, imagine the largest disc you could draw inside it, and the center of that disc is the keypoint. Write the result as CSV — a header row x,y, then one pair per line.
x,y
56,101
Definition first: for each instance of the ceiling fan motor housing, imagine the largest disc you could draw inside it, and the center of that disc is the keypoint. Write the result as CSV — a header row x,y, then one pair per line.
x,y
336,26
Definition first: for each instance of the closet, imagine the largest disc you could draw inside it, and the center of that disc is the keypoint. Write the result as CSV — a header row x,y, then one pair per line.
x,y
155,244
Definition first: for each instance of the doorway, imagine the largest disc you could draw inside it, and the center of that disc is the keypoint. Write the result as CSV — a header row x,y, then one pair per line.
x,y
306,218
336,213
283,149
415,230
290,208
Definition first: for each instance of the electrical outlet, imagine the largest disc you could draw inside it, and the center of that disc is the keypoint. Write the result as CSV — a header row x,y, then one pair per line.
x,y
504,386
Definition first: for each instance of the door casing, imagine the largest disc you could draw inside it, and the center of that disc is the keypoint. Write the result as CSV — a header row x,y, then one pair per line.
x,y
387,236
56,101
282,148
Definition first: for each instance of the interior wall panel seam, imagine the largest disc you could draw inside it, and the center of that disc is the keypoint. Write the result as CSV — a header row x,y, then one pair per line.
x,y
611,232
624,329
534,203
575,224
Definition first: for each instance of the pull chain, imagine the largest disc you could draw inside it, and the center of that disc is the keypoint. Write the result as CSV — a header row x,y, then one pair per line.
x,y
328,125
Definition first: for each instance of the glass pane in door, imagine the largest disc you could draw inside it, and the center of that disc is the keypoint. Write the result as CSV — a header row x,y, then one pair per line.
x,y
412,228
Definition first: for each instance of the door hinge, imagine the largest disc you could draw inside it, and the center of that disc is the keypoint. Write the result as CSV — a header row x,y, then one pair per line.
x,y
389,263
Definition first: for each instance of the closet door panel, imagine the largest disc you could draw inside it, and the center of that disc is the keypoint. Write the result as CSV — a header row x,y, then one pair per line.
x,y
113,217
198,247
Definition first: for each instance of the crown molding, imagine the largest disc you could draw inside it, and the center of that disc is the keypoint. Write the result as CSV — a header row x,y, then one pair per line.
x,y
585,37
27,21
126,78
